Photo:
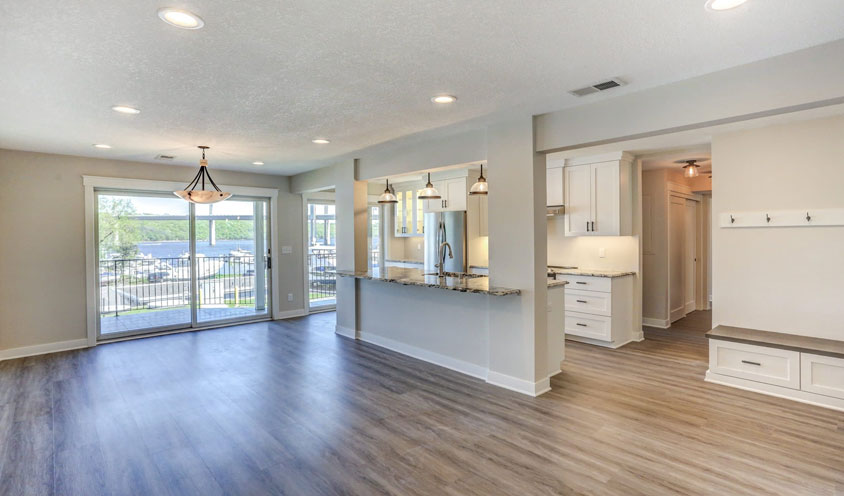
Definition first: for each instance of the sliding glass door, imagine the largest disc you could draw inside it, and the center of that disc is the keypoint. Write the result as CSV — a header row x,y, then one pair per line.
x,y
167,264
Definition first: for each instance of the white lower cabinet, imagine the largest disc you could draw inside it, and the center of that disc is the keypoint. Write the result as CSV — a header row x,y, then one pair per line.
x,y
822,375
588,326
599,310
755,363
787,373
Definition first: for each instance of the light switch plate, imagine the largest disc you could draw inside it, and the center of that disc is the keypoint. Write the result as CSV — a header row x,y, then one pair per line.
x,y
289,296
286,250
602,252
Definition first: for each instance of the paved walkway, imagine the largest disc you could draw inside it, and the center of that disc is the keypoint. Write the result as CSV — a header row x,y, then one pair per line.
x,y
160,318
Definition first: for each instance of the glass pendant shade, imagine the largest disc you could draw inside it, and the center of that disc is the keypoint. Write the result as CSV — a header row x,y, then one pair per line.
x,y
191,194
429,192
387,196
691,169
481,187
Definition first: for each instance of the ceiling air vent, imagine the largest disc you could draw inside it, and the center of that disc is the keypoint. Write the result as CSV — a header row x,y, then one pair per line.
x,y
164,157
595,88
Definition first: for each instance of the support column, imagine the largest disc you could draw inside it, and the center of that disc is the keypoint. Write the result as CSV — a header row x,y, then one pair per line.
x,y
350,237
517,258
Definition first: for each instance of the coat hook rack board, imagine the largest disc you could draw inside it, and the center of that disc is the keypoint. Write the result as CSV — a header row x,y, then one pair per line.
x,y
783,218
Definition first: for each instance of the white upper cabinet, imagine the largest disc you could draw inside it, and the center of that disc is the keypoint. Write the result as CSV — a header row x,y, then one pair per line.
x,y
453,192
578,200
598,196
554,186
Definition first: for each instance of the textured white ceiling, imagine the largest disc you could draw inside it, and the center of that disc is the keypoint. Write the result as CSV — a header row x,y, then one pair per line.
x,y
264,77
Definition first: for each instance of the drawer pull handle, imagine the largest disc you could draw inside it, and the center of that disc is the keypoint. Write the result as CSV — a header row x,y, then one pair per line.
x,y
582,301
580,282
751,363
582,325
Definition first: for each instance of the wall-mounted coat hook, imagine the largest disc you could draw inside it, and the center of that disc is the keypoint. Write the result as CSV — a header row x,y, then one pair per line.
x,y
732,219
767,217
808,217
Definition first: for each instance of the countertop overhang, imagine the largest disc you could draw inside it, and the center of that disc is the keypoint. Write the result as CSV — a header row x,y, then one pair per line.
x,y
417,277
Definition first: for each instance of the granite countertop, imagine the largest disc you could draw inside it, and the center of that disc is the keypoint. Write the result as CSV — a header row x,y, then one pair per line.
x,y
554,283
593,272
395,260
416,277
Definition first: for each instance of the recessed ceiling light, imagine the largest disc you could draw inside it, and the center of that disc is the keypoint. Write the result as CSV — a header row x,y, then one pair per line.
x,y
180,18
257,163
123,109
444,99
718,5
320,141
100,145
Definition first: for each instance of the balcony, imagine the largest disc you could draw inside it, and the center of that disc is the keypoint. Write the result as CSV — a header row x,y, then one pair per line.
x,y
144,293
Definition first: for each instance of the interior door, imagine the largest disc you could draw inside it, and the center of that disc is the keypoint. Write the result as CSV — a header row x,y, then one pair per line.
x,y
605,199
676,257
578,187
690,255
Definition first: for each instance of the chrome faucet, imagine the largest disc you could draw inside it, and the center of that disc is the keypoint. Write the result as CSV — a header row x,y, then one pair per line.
x,y
441,256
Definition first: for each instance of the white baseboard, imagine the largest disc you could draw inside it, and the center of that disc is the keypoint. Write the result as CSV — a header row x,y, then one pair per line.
x,y
41,349
346,332
519,385
289,314
778,391
448,362
660,323
606,344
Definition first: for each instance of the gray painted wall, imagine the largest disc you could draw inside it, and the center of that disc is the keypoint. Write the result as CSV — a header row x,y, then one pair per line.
x,y
42,246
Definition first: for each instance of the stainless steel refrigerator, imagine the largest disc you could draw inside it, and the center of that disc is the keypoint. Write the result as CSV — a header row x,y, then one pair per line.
x,y
451,228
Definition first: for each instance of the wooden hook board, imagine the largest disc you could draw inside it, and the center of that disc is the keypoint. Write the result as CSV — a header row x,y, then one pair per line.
x,y
784,218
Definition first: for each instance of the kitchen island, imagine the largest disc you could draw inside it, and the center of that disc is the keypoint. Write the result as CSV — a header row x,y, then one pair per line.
x,y
446,321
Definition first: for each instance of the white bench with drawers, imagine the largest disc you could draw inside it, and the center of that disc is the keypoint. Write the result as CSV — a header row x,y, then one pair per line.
x,y
806,369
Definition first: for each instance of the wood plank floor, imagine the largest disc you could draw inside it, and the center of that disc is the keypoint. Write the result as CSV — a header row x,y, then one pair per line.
x,y
290,408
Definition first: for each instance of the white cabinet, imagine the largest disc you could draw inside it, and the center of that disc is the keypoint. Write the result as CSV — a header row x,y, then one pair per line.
x,y
598,196
555,325
578,216
408,213
822,375
453,193
599,310
800,368
755,363
554,187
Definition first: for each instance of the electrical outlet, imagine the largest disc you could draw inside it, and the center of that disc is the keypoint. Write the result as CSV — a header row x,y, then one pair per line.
x,y
289,296
602,252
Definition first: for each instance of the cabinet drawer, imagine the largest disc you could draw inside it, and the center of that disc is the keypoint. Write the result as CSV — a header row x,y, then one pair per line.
x,y
587,283
755,363
588,302
589,326
822,374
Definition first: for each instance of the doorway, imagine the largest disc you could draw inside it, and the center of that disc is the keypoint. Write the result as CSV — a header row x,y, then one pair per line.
x,y
165,264
321,255
683,247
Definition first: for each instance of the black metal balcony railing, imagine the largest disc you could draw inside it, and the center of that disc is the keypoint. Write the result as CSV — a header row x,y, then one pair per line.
x,y
322,282
161,283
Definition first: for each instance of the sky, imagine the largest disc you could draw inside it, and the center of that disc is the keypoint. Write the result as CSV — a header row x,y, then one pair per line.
x,y
176,206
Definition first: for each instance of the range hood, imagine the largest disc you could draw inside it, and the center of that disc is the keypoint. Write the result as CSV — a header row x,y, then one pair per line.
x,y
554,210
